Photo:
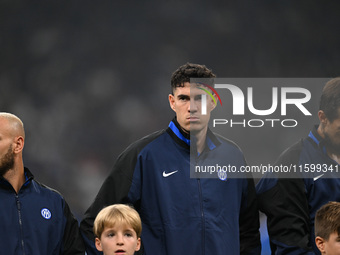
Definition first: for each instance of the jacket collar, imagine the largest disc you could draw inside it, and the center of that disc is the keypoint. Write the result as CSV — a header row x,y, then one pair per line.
x,y
178,131
183,138
28,178
317,139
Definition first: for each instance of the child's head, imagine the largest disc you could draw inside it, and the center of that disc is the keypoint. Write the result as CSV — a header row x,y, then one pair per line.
x,y
327,228
118,228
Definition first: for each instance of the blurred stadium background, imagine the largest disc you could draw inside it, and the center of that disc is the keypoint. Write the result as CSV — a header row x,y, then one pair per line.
x,y
89,77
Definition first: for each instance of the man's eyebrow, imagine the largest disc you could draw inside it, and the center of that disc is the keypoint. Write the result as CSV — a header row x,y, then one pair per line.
x,y
183,95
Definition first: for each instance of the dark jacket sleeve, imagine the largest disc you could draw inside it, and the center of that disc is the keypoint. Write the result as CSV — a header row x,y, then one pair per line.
x,y
249,222
114,190
286,207
72,241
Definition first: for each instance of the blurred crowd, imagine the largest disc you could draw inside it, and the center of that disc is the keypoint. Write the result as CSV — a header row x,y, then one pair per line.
x,y
88,78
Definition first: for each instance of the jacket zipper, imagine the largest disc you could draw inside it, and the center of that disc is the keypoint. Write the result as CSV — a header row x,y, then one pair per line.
x,y
20,224
202,215
200,201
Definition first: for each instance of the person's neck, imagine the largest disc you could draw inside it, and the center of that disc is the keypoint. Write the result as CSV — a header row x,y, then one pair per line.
x,y
16,176
200,139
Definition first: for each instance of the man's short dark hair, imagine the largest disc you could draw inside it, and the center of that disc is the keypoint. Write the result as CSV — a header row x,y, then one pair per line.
x,y
187,71
330,99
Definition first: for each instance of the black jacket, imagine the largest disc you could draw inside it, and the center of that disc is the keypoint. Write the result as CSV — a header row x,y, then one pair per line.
x,y
291,203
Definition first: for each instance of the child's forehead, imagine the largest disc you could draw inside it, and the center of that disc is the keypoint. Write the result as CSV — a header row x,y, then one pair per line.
x,y
118,227
334,235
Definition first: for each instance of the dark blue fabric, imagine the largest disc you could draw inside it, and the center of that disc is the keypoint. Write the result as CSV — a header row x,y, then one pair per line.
x,y
199,216
23,228
181,215
318,188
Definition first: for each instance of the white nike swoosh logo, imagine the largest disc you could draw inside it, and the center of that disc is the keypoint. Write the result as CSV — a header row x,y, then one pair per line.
x,y
315,178
168,174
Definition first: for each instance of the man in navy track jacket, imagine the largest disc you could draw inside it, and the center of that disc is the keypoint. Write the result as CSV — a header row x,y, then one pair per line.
x,y
291,203
183,215
34,219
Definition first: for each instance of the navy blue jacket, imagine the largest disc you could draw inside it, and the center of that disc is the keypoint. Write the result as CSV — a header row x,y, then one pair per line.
x,y
291,203
181,215
36,221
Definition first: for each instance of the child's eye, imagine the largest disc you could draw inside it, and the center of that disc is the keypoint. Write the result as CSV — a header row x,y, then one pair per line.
x,y
128,234
110,234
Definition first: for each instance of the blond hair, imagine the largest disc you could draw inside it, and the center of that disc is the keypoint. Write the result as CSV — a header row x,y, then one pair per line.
x,y
327,220
117,214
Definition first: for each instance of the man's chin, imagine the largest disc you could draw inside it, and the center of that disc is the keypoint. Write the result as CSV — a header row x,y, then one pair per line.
x,y
195,129
335,148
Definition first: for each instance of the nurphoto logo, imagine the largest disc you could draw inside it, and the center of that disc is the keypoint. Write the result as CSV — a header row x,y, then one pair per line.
x,y
277,99
204,97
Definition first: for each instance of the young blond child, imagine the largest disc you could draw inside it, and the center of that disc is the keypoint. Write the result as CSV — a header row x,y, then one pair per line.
x,y
327,229
118,229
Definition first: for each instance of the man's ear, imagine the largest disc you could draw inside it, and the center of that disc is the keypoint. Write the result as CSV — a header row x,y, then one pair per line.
x,y
322,117
172,102
18,144
320,243
98,244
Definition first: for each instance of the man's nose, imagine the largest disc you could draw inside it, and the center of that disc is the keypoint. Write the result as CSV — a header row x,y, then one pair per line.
x,y
193,106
